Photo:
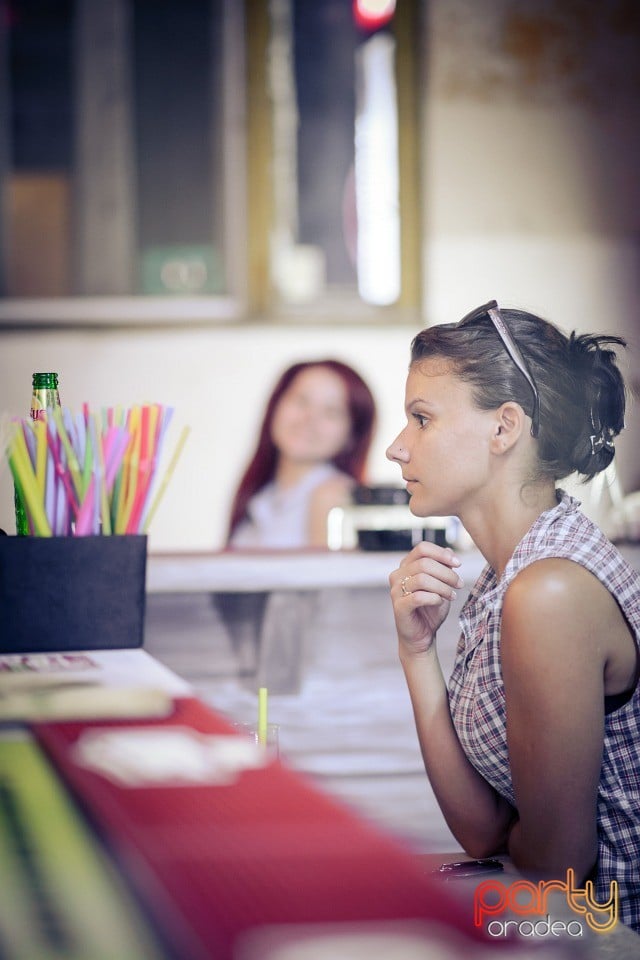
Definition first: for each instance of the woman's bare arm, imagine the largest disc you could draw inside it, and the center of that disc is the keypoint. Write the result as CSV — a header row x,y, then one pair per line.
x,y
554,647
476,815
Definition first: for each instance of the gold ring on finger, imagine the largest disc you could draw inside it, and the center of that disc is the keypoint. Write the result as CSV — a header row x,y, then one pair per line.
x,y
403,584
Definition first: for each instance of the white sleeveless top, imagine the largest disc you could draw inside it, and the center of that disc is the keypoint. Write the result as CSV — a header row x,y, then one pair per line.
x,y
279,518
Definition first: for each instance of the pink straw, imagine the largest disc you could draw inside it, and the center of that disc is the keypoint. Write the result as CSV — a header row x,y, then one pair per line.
x,y
86,515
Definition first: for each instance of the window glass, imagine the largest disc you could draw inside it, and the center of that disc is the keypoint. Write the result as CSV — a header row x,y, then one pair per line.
x,y
115,172
336,154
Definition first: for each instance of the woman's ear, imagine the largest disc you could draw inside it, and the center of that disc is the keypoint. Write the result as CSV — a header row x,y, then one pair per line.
x,y
509,424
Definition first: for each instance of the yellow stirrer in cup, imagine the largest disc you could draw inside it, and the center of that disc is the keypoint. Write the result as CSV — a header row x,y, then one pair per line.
x,y
262,715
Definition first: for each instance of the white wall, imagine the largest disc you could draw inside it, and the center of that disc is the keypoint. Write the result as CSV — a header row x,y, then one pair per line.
x,y
532,197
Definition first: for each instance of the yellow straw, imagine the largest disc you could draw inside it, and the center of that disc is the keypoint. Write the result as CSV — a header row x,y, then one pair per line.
x,y
167,477
117,496
125,475
22,471
262,715
130,474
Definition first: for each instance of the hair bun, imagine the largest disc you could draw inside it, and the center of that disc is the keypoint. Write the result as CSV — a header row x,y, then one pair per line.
x,y
595,363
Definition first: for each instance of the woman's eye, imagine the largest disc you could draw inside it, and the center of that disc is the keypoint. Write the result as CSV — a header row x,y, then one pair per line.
x,y
420,420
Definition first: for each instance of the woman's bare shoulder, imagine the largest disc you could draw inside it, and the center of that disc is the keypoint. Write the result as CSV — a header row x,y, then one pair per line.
x,y
553,584
557,604
558,607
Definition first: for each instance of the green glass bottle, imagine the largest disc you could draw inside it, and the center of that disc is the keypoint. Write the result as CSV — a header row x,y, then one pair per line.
x,y
44,396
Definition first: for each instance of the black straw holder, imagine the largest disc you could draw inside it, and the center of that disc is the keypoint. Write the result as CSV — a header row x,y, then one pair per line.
x,y
72,593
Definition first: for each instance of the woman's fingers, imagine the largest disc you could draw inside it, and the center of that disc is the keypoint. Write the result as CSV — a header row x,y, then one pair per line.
x,y
422,589
426,550
421,586
427,569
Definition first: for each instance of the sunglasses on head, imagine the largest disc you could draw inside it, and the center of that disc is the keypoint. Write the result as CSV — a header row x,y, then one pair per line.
x,y
492,310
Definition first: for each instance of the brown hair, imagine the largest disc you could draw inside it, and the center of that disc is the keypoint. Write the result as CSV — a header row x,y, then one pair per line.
x,y
581,389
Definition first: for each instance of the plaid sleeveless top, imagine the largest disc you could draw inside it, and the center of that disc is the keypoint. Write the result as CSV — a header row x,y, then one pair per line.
x,y
477,701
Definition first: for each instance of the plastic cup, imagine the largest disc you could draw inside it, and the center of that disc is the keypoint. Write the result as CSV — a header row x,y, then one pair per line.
x,y
273,735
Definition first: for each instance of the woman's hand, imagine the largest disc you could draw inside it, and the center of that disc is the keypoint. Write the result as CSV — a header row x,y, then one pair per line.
x,y
476,815
422,589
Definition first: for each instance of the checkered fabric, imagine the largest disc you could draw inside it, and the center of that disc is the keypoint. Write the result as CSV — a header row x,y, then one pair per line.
x,y
477,694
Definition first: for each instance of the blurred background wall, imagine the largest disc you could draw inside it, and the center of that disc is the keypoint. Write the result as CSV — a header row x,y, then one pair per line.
x,y
519,141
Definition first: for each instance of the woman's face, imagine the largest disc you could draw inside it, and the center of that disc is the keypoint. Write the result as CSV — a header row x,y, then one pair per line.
x,y
444,449
311,422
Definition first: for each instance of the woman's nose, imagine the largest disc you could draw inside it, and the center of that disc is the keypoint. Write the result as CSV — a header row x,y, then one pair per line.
x,y
397,452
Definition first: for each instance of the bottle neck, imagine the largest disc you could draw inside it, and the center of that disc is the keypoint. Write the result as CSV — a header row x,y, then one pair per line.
x,y
44,395
45,381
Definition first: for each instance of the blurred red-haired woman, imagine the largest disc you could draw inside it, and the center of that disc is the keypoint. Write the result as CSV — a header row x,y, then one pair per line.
x,y
312,448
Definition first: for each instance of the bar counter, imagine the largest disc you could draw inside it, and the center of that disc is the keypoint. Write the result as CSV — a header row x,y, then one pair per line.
x,y
237,571
295,582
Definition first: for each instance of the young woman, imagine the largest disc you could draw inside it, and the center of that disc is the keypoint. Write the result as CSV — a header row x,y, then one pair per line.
x,y
533,749
311,450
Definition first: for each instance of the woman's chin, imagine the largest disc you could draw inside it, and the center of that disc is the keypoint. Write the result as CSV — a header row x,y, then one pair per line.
x,y
421,507
417,508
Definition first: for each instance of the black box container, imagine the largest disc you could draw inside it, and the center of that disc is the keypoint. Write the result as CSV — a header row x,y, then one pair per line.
x,y
72,593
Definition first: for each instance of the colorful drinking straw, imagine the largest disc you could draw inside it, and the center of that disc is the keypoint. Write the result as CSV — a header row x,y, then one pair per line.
x,y
96,473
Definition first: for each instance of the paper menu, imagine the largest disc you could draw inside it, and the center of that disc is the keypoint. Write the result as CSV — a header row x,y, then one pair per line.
x,y
110,668
102,684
